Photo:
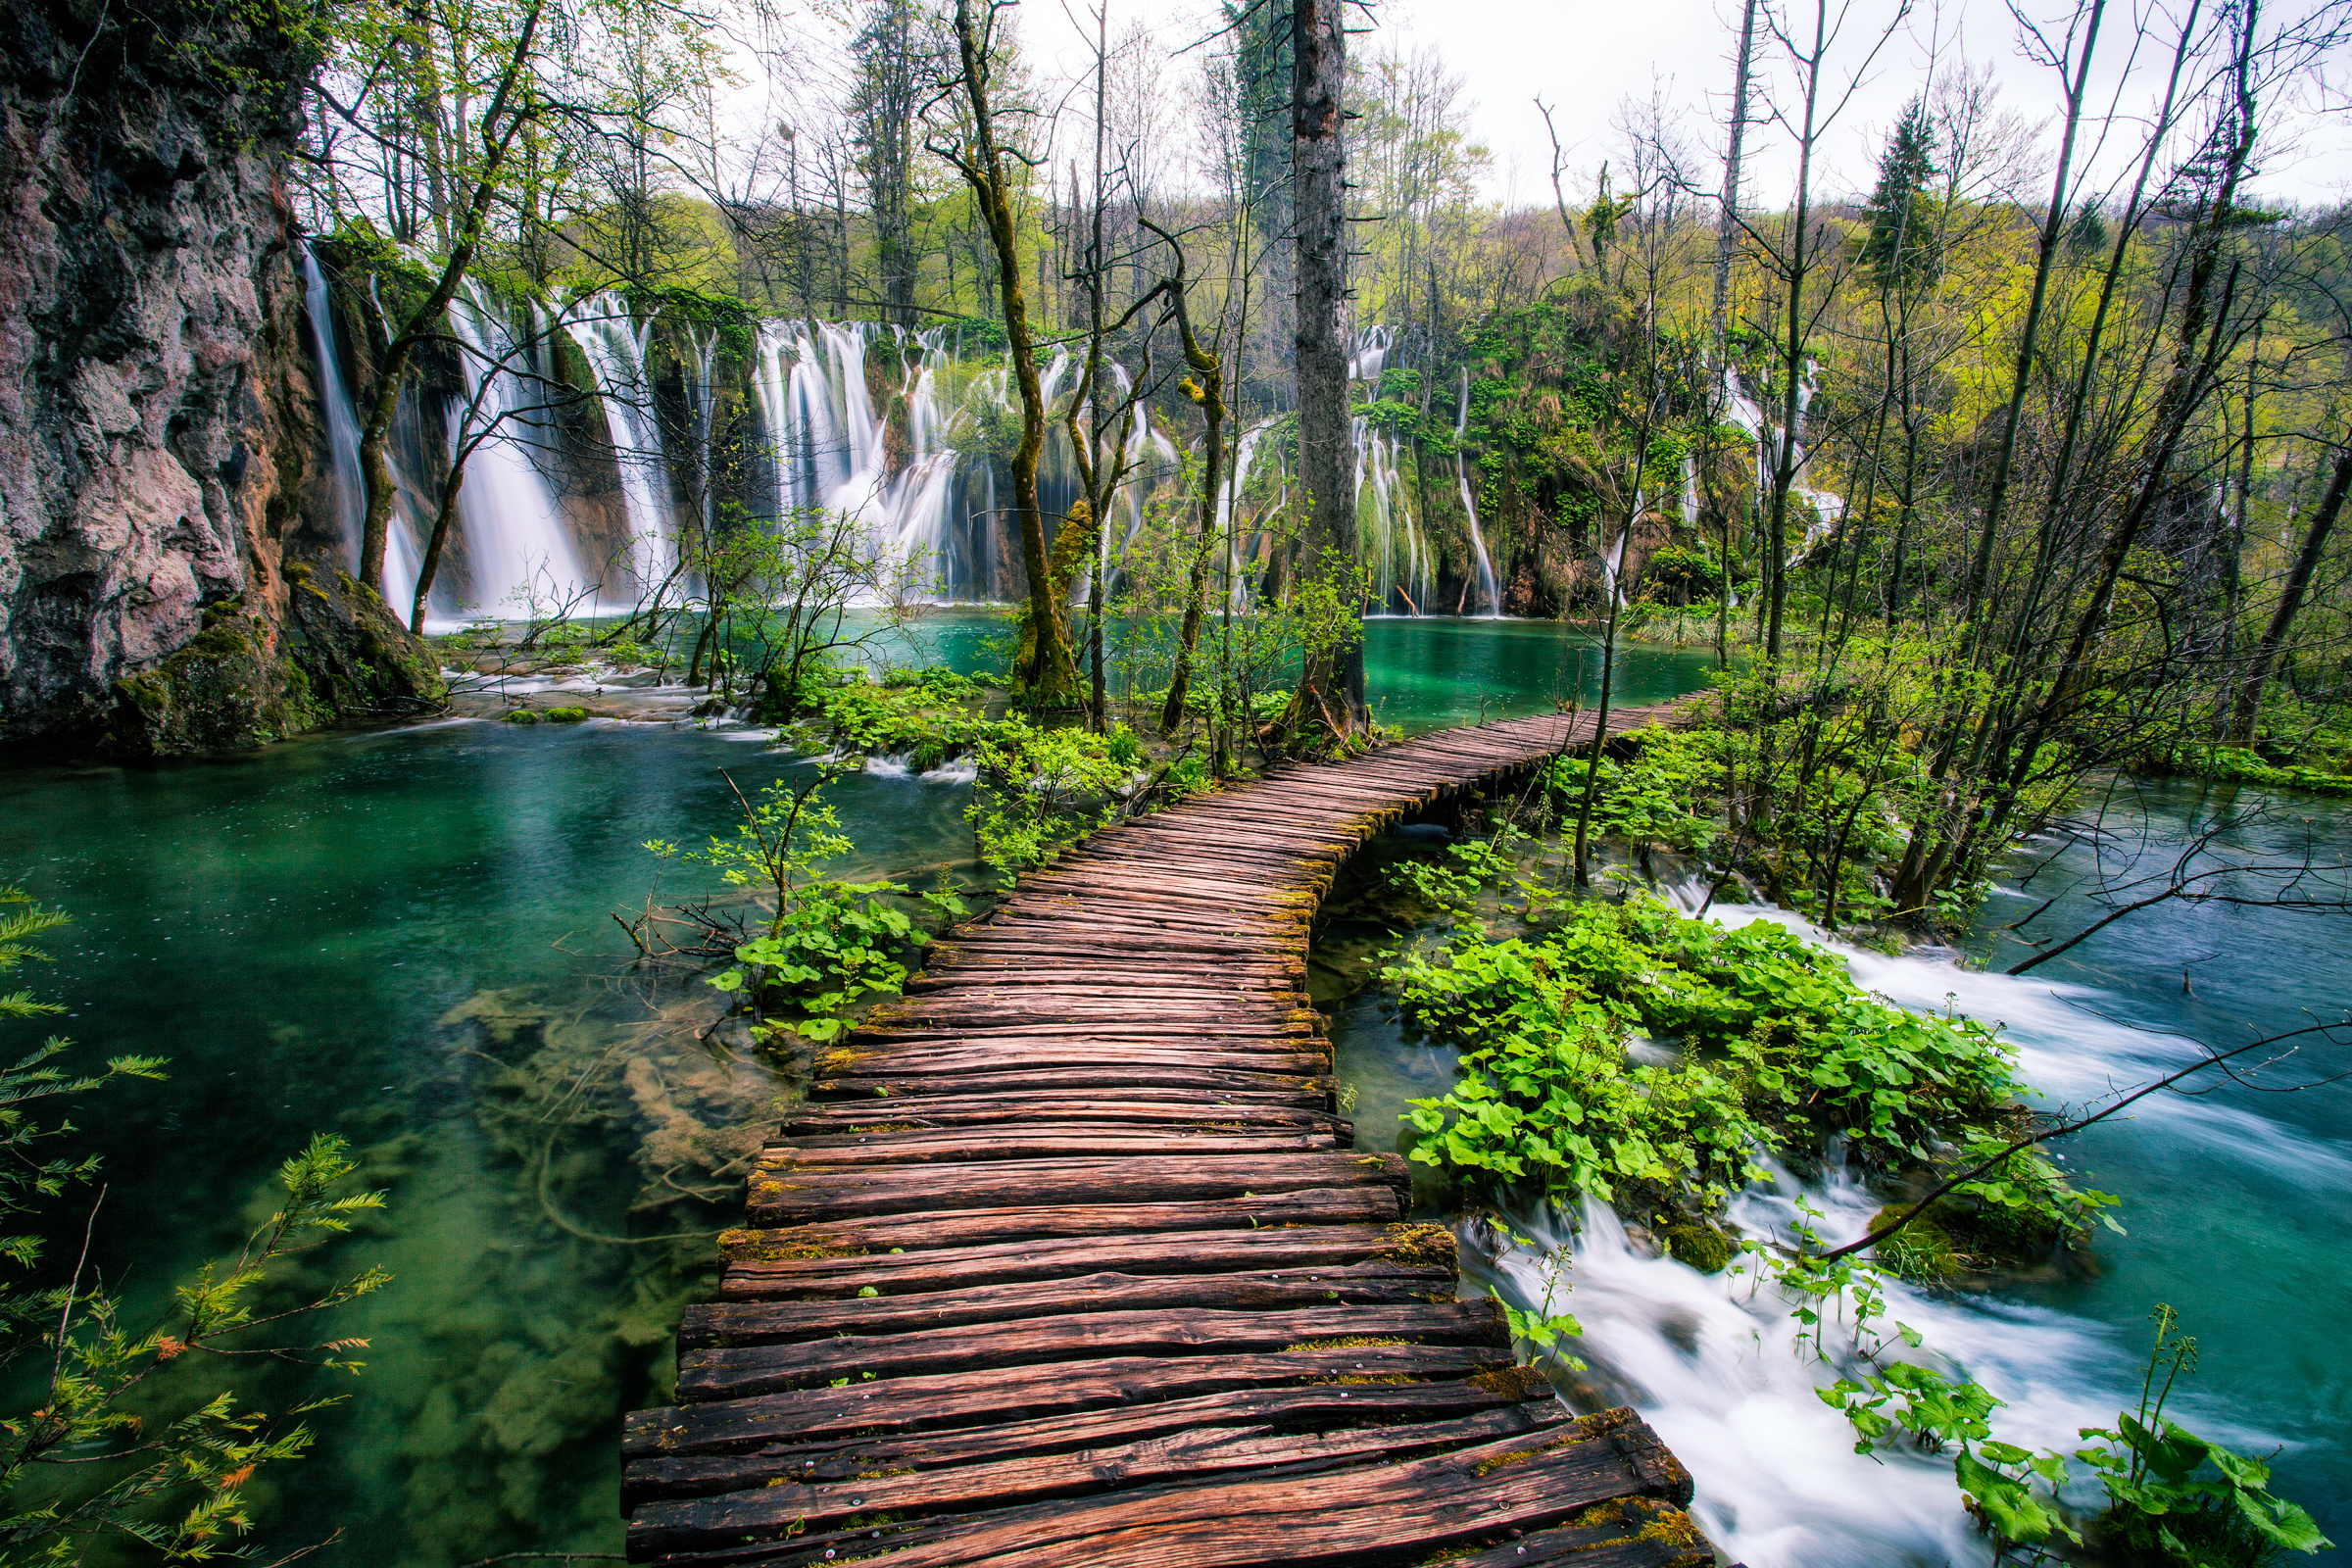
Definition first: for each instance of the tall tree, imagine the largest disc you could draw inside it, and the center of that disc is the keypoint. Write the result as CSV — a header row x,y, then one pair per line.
x,y
1318,195
1896,251
882,110
993,166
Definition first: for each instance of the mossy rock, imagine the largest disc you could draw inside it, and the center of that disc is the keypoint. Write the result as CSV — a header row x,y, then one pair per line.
x,y
1702,1247
1922,1251
564,716
522,715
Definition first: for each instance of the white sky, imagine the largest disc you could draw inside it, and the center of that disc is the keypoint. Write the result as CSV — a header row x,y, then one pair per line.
x,y
1586,57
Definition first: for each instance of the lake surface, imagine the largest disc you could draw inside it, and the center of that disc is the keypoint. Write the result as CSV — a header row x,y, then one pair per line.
x,y
405,938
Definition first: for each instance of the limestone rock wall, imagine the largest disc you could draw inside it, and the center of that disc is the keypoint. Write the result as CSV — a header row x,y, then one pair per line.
x,y
160,588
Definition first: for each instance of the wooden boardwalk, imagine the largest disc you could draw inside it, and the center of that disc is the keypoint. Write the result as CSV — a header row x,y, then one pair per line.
x,y
1068,1259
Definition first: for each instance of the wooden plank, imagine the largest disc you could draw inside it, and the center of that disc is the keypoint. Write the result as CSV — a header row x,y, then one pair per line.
x,y
1370,1284
1016,1392
1028,1141
880,1085
1398,1513
789,1194
687,1524
1312,1408
975,1227
1170,1108
734,1373
1135,1249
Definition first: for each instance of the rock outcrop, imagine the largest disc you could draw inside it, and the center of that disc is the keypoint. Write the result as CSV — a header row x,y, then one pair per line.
x,y
163,586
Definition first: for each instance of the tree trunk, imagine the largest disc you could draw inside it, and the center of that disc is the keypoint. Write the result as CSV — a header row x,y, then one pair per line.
x,y
1050,679
2290,603
1318,193
374,468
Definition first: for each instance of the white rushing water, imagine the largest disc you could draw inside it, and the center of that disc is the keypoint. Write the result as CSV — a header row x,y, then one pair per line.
x,y
518,547
1714,1362
1489,597
343,448
876,423
615,345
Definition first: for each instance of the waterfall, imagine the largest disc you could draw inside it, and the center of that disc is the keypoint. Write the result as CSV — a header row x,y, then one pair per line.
x,y
1743,412
342,416
1490,599
1370,356
616,346
1403,569
873,423
343,449
517,546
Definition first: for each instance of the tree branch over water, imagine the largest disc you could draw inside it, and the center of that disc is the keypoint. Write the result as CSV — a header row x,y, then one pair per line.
x,y
2340,1031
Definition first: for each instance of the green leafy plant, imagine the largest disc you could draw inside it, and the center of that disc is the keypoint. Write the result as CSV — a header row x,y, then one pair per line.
x,y
828,943
124,1444
2175,1497
1041,790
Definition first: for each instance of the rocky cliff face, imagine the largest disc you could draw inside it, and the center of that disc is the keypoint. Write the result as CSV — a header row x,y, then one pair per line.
x,y
160,588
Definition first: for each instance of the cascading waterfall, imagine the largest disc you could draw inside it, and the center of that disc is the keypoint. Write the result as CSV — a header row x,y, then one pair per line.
x,y
615,344
874,422
1489,598
517,547
1742,411
343,447
1404,571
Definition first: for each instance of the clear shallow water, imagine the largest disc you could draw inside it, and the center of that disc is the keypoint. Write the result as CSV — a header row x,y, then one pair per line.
x,y
1419,674
405,938
2235,1201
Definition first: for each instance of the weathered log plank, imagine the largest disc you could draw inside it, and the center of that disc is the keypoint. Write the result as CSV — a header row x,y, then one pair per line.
x,y
784,1193
1397,1513
1018,1393
1313,1409
1028,1141
880,1235
734,1373
1135,1249
1372,1284
685,1524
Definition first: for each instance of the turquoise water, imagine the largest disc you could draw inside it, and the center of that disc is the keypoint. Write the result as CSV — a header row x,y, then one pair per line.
x,y
405,938
2237,1196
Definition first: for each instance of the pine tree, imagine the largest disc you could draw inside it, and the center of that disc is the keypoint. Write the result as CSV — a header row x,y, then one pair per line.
x,y
1900,252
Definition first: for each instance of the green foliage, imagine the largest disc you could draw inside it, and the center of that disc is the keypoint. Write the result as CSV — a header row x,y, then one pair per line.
x,y
2239,765
828,943
1901,249
2175,1499
927,714
115,1447
2178,1498
1779,1050
1041,790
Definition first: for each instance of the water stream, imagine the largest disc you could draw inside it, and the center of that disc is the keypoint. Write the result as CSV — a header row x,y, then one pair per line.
x,y
2235,1201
